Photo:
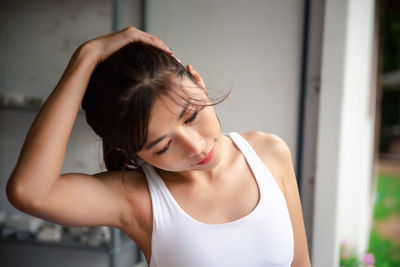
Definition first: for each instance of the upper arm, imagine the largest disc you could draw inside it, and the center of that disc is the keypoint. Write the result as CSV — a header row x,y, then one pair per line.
x,y
276,154
78,199
291,192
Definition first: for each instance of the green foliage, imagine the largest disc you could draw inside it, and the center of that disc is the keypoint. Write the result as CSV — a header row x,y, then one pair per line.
x,y
387,196
350,260
386,253
349,257
383,251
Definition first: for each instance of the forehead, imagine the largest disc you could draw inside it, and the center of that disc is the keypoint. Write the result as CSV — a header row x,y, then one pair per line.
x,y
167,108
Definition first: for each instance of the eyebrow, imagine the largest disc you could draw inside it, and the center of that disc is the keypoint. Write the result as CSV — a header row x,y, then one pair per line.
x,y
159,139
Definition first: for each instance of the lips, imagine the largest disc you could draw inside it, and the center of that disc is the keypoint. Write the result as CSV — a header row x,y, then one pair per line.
x,y
207,158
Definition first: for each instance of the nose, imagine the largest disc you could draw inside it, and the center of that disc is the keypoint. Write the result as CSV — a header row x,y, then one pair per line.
x,y
190,141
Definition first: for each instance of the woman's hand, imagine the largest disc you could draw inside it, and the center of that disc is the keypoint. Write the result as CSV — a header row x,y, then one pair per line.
x,y
104,46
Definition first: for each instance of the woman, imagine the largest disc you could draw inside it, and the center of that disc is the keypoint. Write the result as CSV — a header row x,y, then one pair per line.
x,y
185,193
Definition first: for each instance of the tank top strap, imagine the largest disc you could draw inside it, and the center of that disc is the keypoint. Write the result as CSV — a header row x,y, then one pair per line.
x,y
162,205
261,172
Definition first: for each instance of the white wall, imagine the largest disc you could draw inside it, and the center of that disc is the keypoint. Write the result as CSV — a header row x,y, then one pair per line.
x,y
37,39
253,47
346,126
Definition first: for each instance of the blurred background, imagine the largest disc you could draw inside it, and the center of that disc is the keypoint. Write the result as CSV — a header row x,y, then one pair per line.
x,y
322,74
385,231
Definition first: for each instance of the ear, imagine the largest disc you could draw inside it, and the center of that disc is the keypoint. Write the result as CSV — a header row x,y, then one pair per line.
x,y
196,76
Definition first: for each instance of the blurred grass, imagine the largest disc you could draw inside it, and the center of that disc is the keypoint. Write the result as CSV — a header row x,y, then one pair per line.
x,y
388,190
387,203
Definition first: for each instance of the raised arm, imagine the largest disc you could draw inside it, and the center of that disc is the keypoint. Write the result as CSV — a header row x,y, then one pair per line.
x,y
35,186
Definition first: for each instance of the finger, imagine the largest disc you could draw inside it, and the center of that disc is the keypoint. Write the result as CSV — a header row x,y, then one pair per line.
x,y
135,34
158,42
166,48
163,46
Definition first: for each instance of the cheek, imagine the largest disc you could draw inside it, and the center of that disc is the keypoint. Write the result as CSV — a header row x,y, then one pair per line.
x,y
210,119
167,161
170,165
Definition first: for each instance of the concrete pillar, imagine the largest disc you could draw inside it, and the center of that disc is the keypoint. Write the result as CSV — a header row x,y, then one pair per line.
x,y
342,204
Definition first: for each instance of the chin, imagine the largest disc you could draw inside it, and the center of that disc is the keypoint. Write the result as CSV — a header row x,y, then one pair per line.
x,y
210,165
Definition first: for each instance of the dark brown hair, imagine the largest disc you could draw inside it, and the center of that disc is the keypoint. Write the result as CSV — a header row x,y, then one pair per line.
x,y
120,97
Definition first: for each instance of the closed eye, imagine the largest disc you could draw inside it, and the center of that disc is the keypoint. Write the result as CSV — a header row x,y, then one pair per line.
x,y
194,115
165,148
189,120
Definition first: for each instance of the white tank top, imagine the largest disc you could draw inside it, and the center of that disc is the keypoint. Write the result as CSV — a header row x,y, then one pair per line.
x,y
262,238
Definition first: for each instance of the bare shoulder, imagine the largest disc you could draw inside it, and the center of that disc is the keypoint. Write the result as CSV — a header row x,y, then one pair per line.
x,y
267,141
268,146
273,151
132,186
275,154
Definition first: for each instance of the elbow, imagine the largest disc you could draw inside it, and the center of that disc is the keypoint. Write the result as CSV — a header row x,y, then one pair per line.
x,y
18,197
13,194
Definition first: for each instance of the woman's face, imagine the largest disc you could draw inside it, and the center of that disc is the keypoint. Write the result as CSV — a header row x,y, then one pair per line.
x,y
183,137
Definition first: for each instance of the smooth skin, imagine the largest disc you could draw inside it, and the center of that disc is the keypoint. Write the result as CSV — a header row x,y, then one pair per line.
x,y
204,191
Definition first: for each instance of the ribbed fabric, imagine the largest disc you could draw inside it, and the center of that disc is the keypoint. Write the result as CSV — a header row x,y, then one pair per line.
x,y
263,238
